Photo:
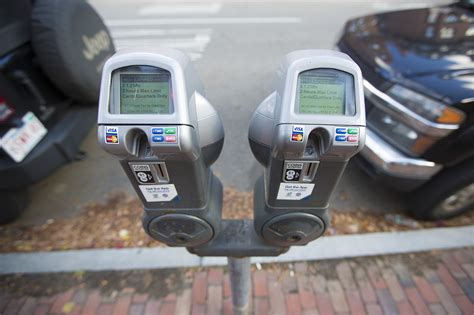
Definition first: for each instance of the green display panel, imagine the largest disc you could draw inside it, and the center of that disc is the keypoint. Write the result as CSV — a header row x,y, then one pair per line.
x,y
321,95
145,94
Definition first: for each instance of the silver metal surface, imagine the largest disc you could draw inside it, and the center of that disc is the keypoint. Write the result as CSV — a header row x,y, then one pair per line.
x,y
239,271
384,157
393,107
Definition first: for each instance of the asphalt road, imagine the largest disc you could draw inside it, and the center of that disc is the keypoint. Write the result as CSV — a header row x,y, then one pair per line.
x,y
236,48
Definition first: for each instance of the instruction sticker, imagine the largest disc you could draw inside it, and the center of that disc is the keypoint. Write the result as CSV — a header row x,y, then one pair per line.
x,y
289,191
293,171
157,193
143,173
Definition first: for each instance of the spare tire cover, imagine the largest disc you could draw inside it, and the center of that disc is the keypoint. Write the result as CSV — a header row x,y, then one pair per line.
x,y
72,44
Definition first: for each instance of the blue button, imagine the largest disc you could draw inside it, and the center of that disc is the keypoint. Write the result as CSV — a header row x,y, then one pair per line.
x,y
157,139
340,138
157,131
341,131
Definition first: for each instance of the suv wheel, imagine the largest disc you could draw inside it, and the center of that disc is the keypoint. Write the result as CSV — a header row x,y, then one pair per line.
x,y
12,204
447,195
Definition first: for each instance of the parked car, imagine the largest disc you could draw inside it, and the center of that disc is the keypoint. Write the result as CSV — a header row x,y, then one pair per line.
x,y
51,58
418,67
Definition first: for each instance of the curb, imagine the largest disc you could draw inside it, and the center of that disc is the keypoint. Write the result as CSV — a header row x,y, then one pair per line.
x,y
332,247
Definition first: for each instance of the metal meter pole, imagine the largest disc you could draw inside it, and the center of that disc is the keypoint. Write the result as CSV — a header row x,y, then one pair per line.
x,y
239,271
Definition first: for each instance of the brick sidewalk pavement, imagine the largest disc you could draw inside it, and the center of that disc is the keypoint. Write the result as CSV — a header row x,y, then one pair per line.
x,y
422,283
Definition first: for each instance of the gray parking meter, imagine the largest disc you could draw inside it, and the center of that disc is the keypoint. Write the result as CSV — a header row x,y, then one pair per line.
x,y
304,134
154,118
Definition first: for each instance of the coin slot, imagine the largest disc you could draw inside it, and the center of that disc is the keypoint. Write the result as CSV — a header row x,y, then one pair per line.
x,y
309,171
162,173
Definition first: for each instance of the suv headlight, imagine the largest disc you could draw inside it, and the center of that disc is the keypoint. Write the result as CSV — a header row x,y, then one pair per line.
x,y
425,106
399,134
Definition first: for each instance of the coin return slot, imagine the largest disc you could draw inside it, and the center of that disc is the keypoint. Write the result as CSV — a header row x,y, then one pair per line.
x,y
309,171
294,238
181,239
162,173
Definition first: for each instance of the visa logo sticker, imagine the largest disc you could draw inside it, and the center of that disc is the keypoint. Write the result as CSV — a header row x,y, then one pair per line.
x,y
111,135
113,130
297,133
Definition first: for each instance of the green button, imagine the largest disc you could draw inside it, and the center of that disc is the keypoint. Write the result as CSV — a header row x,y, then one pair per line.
x,y
170,131
352,131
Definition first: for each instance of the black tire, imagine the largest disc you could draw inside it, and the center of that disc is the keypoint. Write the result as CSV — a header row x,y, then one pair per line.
x,y
12,204
72,44
434,200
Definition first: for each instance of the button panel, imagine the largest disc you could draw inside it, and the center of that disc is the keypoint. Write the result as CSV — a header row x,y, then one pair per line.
x,y
157,131
353,131
170,138
164,135
170,130
346,136
157,138
352,138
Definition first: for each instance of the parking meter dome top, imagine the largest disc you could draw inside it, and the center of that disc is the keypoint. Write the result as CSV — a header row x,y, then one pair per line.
x,y
183,80
313,86
318,64
157,87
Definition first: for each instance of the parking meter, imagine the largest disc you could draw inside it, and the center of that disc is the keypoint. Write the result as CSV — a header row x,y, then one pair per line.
x,y
304,134
154,117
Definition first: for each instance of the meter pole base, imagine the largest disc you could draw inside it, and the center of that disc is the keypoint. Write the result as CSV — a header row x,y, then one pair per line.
x,y
239,272
237,238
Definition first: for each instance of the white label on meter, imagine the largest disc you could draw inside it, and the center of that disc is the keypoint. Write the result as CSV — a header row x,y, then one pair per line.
x,y
157,193
296,191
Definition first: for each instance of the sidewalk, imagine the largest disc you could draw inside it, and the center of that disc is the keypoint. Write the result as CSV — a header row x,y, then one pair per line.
x,y
439,282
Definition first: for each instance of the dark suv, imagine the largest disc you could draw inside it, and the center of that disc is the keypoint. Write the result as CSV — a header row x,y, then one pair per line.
x,y
418,67
51,57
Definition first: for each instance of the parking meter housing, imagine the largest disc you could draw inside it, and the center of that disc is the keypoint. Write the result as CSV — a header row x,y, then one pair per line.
x,y
305,144
154,117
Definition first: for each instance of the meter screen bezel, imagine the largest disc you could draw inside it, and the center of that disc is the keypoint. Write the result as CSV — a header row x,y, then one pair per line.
x,y
349,106
115,100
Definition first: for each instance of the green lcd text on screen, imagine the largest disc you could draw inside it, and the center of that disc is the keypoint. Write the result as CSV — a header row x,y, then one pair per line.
x,y
144,94
321,95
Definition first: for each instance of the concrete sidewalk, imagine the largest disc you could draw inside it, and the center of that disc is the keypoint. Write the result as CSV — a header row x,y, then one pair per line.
x,y
440,282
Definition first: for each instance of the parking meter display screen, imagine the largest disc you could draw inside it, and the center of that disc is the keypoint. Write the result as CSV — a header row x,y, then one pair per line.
x,y
147,93
324,92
